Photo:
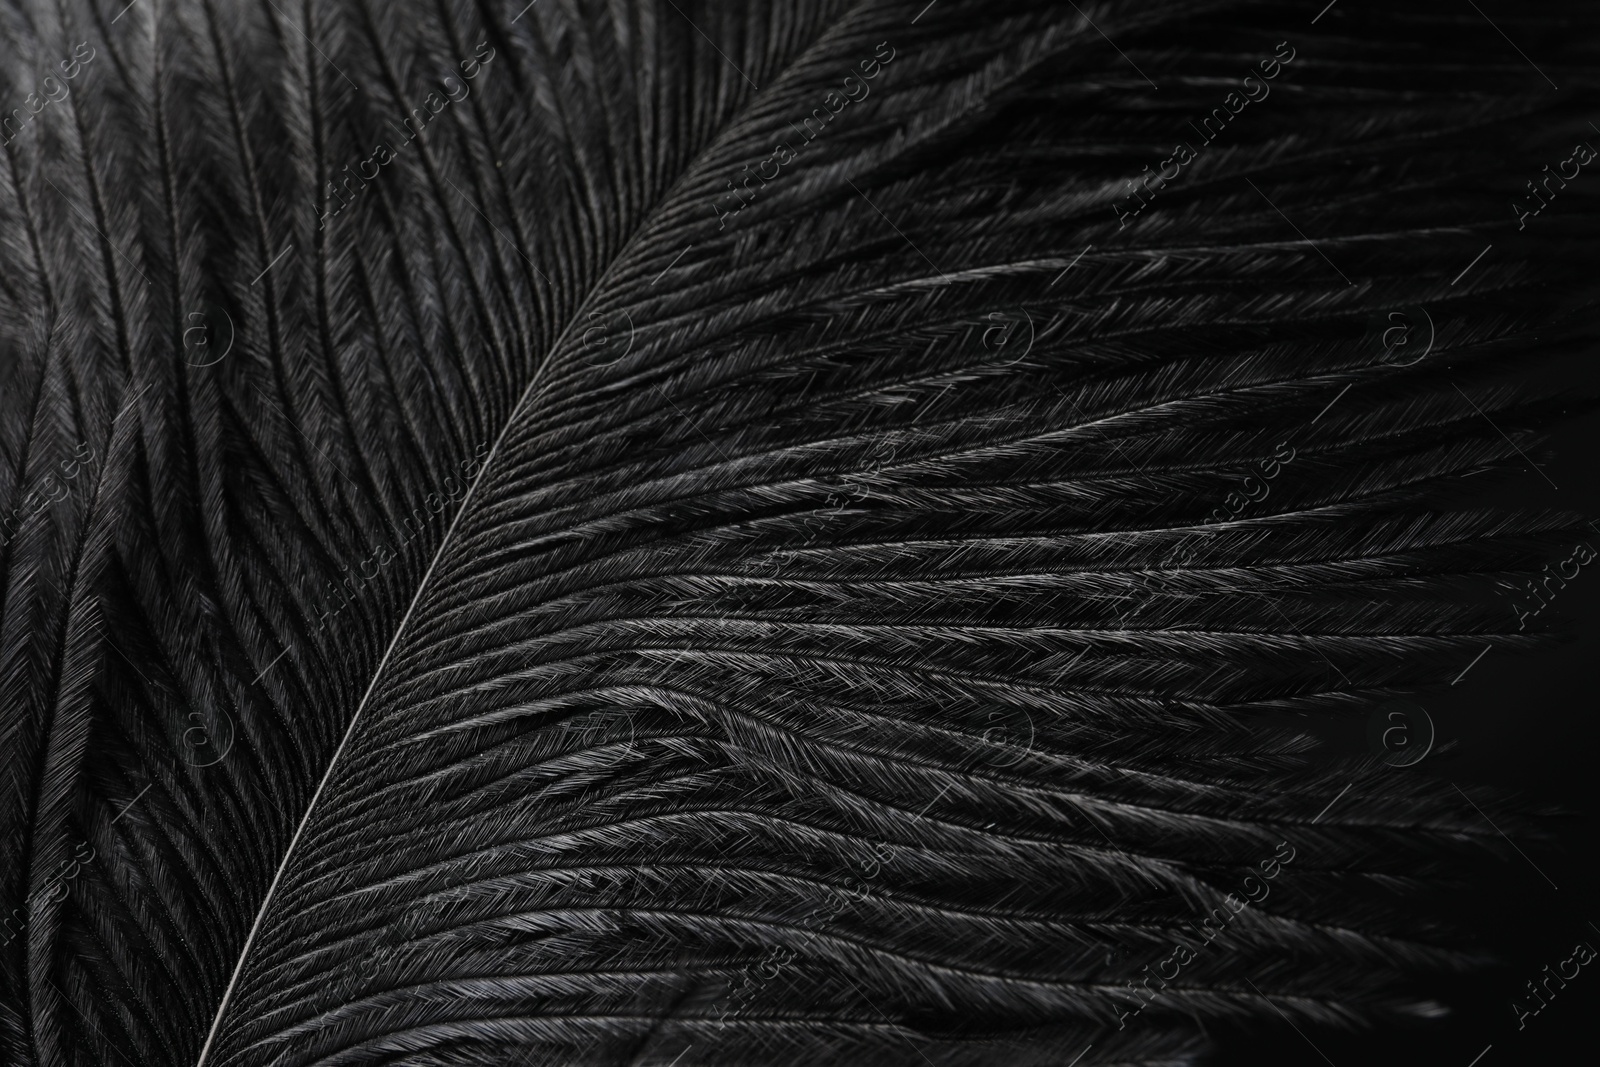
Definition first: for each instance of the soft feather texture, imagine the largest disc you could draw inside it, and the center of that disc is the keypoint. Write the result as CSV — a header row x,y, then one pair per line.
x,y
578,624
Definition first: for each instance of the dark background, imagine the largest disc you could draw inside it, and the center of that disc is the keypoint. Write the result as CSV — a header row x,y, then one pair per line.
x,y
1522,722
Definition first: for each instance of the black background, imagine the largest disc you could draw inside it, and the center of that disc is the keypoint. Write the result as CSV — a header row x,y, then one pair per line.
x,y
1523,722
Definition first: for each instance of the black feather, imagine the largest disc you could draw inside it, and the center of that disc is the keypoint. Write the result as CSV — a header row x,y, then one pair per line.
x,y
534,592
